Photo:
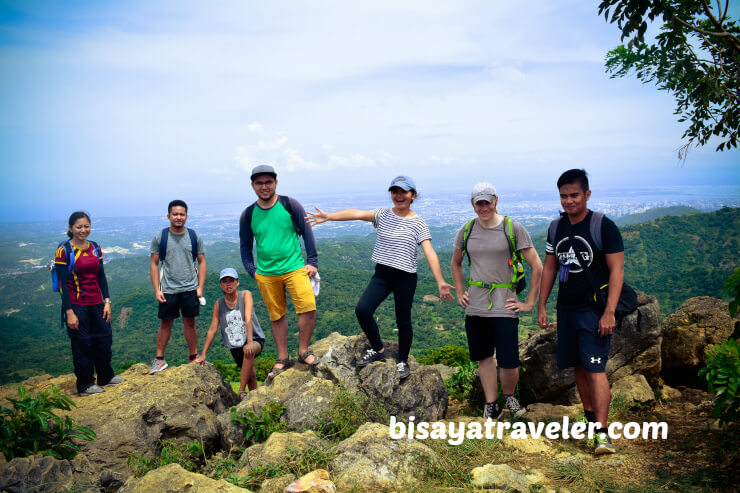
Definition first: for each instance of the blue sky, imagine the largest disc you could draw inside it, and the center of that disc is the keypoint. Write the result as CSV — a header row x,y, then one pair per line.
x,y
118,107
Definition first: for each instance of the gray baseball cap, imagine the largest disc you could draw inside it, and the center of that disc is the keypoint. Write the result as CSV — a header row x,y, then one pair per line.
x,y
229,272
263,169
483,191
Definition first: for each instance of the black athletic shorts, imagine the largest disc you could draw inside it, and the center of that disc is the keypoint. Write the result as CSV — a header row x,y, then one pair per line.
x,y
488,333
579,341
186,302
238,352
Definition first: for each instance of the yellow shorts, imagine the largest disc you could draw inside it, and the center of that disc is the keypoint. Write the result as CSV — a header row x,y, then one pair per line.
x,y
273,289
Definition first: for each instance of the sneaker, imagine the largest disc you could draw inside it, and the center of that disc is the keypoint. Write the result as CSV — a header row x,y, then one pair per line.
x,y
158,365
514,407
115,380
603,444
492,410
192,360
403,369
370,356
92,389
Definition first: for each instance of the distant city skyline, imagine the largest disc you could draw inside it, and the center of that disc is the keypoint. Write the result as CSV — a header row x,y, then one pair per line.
x,y
119,107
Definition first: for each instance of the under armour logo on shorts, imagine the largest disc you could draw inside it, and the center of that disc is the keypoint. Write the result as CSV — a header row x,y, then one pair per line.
x,y
595,360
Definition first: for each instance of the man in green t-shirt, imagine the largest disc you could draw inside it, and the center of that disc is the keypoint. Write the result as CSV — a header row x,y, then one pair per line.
x,y
275,224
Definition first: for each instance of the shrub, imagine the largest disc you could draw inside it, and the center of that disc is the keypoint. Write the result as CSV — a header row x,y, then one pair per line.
x,y
258,428
31,427
723,377
461,382
450,355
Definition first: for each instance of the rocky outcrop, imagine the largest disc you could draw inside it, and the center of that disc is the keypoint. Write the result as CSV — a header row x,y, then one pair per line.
x,y
174,479
43,473
499,476
371,460
634,389
182,403
635,348
278,449
306,396
698,324
314,482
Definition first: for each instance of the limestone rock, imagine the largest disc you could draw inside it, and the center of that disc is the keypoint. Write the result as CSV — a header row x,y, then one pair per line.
x,y
45,473
174,479
278,484
276,449
698,323
633,350
314,482
667,393
633,388
499,476
533,446
370,459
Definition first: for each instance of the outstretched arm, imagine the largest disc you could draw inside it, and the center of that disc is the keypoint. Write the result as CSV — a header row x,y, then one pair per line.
x,y
246,238
615,263
433,261
210,336
318,217
458,277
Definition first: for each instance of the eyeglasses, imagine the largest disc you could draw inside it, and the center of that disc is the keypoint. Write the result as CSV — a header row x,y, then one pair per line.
x,y
263,183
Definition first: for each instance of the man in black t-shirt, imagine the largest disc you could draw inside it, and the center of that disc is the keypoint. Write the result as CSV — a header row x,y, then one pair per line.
x,y
584,327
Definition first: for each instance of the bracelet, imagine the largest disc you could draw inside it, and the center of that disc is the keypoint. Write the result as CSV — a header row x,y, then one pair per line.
x,y
106,301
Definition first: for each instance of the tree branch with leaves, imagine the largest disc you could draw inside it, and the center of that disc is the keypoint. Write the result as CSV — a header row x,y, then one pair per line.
x,y
695,57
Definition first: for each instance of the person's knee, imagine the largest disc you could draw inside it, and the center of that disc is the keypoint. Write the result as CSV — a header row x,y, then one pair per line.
x,y
363,311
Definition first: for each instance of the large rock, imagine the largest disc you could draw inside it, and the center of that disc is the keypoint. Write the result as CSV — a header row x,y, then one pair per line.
x,y
633,388
499,476
277,449
180,403
699,323
306,397
174,479
370,460
634,349
38,473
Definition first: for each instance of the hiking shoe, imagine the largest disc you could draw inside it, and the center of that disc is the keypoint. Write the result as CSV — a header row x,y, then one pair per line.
x,y
514,407
192,360
370,356
492,410
603,444
115,380
403,369
158,365
91,390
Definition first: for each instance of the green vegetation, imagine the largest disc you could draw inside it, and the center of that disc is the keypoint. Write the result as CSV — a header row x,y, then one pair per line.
x,y
258,428
296,462
30,426
723,378
448,354
347,412
461,383
190,456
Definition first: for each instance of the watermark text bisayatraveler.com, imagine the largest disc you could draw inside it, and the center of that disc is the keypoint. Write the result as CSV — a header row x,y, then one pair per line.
x,y
456,432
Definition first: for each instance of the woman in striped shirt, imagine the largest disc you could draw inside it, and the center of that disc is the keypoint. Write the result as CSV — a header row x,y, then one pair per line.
x,y
400,230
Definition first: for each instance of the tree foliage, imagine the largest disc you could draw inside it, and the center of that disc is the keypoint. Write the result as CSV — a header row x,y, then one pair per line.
x,y
696,57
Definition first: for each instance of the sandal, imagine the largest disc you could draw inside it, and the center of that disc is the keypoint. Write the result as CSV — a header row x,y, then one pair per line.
x,y
275,371
302,358
243,395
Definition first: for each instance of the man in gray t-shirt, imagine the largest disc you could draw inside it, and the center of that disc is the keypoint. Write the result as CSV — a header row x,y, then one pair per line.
x,y
177,281
489,297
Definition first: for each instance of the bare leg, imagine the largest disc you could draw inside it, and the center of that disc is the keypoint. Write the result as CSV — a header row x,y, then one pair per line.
x,y
280,334
163,335
248,376
595,393
488,378
509,379
306,324
191,336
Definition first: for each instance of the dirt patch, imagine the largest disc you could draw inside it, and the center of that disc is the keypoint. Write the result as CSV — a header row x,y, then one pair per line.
x,y
124,316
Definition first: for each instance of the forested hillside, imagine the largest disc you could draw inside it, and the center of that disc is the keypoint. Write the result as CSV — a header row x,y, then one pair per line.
x,y
673,258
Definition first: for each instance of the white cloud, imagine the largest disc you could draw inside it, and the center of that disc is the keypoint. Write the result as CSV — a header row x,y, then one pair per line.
x,y
255,127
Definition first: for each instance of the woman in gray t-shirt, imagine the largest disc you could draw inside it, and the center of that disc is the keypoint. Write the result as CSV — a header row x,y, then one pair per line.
x,y
489,296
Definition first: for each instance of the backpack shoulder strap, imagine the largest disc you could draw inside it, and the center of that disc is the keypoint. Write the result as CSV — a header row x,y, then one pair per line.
x,y
553,230
193,243
163,244
466,236
288,207
509,232
96,248
70,253
595,229
248,215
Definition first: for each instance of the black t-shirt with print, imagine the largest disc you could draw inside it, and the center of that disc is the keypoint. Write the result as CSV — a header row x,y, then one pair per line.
x,y
576,292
